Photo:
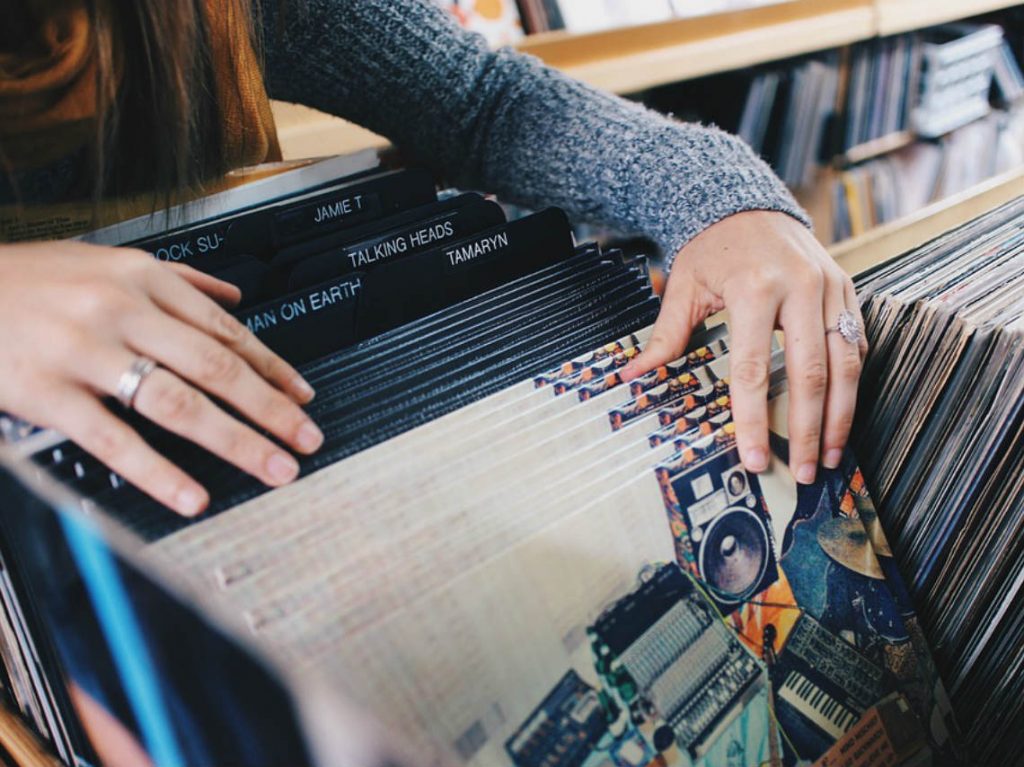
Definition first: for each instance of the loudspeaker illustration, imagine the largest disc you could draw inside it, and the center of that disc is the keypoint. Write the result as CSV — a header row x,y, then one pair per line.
x,y
731,535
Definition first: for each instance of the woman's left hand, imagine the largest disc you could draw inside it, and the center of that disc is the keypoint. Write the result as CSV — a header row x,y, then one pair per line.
x,y
769,272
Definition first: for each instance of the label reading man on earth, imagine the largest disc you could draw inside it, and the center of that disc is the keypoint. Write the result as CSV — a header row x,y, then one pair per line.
x,y
295,307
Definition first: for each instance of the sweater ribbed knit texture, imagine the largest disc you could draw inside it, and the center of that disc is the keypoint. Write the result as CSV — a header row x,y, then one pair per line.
x,y
502,122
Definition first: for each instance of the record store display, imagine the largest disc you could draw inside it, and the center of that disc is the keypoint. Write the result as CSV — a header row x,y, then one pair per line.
x,y
940,439
502,553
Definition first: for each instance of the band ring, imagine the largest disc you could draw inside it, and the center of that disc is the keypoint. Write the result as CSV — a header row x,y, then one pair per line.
x,y
848,327
130,381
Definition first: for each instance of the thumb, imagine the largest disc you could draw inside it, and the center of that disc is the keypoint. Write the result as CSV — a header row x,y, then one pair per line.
x,y
669,337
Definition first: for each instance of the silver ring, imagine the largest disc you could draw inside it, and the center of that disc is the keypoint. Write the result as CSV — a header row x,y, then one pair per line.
x,y
848,327
130,381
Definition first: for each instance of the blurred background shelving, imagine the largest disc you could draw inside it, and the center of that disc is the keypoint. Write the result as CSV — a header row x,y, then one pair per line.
x,y
893,16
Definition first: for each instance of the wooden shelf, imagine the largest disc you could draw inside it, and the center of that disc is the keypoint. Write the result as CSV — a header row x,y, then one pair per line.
x,y
889,240
21,745
875,148
634,58
305,132
896,16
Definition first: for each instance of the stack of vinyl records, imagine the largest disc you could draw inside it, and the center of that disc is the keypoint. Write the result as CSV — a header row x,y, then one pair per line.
x,y
1007,77
896,185
787,115
503,552
959,63
941,443
800,115
885,77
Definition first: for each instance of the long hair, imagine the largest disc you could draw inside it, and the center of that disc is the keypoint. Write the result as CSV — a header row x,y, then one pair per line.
x,y
158,118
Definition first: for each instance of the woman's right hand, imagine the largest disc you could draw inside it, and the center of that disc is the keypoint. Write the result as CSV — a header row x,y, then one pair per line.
x,y
76,317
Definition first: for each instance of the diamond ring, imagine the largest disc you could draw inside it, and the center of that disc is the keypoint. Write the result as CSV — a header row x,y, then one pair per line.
x,y
848,327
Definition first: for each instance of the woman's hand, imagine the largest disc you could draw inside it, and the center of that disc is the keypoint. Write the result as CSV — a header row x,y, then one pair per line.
x,y
769,272
75,318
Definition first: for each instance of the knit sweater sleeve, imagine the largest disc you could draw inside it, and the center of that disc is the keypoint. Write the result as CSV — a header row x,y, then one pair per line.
x,y
502,122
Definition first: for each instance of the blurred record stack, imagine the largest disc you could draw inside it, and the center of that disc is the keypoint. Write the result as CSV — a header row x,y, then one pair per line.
x,y
787,115
1008,79
866,136
941,437
883,89
958,65
887,188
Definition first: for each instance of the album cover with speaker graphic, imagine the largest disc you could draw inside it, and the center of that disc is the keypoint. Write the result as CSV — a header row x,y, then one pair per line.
x,y
807,580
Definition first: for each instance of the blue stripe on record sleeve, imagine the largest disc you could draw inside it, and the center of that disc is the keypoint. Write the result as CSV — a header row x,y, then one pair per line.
x,y
127,643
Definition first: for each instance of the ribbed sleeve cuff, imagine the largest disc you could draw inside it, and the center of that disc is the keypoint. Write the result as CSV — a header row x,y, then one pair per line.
x,y
734,180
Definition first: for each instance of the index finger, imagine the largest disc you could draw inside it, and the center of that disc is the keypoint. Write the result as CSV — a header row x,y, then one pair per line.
x,y
751,323
178,298
669,337
224,293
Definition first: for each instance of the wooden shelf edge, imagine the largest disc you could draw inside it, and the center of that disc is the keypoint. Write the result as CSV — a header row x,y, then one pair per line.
x,y
21,744
895,16
304,132
635,58
890,240
874,148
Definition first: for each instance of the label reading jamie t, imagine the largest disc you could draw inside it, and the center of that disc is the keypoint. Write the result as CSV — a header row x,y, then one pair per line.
x,y
327,213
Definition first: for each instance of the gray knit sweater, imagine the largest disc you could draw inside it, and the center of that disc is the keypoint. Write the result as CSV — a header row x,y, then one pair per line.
x,y
504,123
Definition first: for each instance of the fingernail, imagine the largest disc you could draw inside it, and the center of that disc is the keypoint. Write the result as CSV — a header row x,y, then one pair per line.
x,y
805,474
628,372
190,501
282,468
756,459
832,458
301,389
309,437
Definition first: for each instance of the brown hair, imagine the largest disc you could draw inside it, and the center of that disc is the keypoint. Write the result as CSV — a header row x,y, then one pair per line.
x,y
160,105
158,116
